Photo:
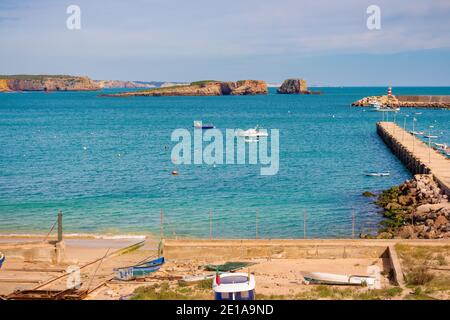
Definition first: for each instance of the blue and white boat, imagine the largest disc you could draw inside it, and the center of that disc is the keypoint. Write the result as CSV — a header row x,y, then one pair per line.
x,y
2,258
234,286
140,270
200,125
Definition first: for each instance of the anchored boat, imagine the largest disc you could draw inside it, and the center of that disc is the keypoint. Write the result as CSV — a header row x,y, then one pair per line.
x,y
200,125
253,133
378,174
140,270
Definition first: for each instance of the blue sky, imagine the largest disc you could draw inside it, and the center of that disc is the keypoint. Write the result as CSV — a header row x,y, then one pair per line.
x,y
324,41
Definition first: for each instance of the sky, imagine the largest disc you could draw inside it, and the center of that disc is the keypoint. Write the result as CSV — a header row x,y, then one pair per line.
x,y
327,42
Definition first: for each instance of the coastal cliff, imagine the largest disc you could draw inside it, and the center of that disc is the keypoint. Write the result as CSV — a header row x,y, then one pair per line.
x,y
46,83
109,84
438,102
203,88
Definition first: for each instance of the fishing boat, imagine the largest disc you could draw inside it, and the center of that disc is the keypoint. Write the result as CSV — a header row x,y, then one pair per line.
x,y
253,133
200,125
2,258
384,109
140,270
234,286
442,146
378,174
337,279
429,136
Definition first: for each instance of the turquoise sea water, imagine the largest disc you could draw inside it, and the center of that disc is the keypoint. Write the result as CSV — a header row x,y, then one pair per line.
x,y
106,163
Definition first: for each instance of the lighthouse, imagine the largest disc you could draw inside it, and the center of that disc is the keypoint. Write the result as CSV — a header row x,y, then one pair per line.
x,y
390,92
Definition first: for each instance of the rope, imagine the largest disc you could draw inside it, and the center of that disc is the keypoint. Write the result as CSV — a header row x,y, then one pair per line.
x,y
51,229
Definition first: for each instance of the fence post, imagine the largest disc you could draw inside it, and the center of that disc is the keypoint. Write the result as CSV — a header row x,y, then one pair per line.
x,y
210,224
353,223
161,224
257,211
304,224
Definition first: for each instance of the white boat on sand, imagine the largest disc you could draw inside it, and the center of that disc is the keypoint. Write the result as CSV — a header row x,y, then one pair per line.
x,y
337,279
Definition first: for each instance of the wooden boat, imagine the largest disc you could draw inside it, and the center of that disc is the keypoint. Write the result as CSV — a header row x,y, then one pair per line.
x,y
2,258
234,286
140,270
337,279
378,174
195,279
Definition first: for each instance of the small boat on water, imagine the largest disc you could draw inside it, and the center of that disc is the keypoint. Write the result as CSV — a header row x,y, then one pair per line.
x,y
234,286
140,270
441,145
416,133
200,125
378,174
2,258
429,136
384,109
337,279
253,133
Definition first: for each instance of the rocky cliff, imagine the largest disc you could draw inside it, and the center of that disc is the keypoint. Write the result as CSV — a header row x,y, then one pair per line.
x,y
46,83
203,88
122,84
294,86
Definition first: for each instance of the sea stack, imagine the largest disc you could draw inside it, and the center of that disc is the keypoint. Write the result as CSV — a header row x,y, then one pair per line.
x,y
294,86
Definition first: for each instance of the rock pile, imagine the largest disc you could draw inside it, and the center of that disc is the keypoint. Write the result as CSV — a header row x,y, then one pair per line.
x,y
416,209
405,102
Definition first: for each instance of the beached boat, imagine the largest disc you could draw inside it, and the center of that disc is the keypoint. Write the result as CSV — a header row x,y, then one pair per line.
x,y
140,270
378,174
338,279
200,125
253,133
234,286
2,258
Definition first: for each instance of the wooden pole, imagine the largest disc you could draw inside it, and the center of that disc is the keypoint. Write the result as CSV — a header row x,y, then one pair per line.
x,y
60,226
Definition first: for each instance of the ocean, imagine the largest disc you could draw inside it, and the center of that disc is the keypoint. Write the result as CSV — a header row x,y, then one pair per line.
x,y
106,163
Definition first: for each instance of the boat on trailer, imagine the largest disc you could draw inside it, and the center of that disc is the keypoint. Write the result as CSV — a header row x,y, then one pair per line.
x,y
337,279
234,286
140,270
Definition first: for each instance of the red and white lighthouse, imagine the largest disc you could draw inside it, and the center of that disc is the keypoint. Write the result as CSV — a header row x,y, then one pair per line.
x,y
390,91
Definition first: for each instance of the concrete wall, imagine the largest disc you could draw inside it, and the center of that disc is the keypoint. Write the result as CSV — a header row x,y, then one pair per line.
x,y
431,99
211,250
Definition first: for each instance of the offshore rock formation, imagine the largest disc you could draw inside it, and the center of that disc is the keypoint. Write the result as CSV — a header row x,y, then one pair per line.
x,y
417,209
441,102
203,88
293,86
46,83
122,84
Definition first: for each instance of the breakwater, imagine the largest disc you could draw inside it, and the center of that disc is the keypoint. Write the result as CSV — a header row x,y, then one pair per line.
x,y
417,156
406,101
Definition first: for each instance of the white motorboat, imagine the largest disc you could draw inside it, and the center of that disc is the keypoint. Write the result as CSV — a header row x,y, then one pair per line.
x,y
331,278
430,136
384,109
378,174
253,133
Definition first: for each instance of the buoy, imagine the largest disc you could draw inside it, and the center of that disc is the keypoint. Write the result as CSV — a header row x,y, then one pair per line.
x,y
174,173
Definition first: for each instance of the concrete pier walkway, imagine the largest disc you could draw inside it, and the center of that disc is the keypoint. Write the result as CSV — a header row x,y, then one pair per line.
x,y
415,154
